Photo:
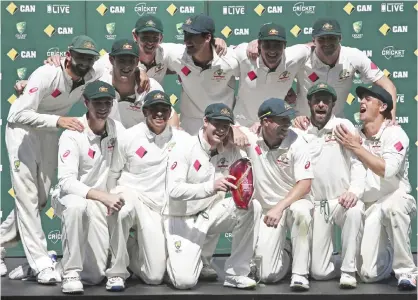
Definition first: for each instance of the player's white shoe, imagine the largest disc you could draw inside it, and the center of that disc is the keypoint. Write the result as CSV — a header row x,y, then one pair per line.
x,y
348,280
407,282
3,267
72,285
208,273
299,283
115,284
47,276
239,282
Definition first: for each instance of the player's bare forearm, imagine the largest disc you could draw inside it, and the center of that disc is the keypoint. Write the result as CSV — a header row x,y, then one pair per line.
x,y
301,188
374,163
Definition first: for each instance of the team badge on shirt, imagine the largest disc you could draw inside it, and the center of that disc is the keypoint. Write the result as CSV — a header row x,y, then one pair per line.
x,y
283,159
330,137
284,76
398,146
111,143
219,75
344,74
223,163
158,68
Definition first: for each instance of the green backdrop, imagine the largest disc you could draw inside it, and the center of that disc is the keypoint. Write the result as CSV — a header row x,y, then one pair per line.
x,y
33,30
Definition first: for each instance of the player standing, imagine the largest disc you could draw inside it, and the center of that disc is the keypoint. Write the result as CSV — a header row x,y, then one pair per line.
x,y
337,189
32,142
389,205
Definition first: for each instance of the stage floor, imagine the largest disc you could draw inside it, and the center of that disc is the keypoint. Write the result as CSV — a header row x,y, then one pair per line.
x,y
137,290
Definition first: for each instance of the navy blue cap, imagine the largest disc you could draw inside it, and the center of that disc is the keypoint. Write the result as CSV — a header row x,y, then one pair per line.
x,y
199,24
219,111
275,107
377,92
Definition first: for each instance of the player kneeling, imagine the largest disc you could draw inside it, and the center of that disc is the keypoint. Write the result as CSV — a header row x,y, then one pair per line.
x,y
81,197
383,149
197,207
139,173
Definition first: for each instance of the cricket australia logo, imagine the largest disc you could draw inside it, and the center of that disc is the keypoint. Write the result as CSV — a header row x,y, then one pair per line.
x,y
284,76
223,163
219,75
177,245
344,74
283,159
16,165
111,143
330,137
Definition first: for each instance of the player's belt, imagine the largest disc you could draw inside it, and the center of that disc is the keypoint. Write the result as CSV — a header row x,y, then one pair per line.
x,y
324,209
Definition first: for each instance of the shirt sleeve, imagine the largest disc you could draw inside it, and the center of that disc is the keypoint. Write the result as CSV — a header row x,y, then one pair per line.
x,y
394,151
178,187
104,62
357,170
24,109
368,70
172,52
118,161
68,164
302,162
298,54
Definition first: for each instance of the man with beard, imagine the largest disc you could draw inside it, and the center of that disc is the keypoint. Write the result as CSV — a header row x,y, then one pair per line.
x,y
336,65
282,181
138,173
81,197
127,108
390,207
270,75
32,142
197,181
337,189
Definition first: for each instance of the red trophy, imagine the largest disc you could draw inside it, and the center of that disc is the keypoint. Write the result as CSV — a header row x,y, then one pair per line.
x,y
242,171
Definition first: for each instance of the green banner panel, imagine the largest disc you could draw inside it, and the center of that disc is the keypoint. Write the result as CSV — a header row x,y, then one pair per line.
x,y
33,30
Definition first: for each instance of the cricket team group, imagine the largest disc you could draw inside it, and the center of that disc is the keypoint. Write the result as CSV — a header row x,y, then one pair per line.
x,y
145,191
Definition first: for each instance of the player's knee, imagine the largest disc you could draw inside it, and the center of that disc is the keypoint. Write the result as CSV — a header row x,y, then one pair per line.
x,y
319,272
184,281
126,212
302,215
77,208
154,277
355,214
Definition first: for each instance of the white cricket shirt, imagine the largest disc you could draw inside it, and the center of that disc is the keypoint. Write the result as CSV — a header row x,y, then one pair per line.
x,y
257,83
48,96
340,77
191,175
336,169
276,171
141,162
84,158
202,87
392,144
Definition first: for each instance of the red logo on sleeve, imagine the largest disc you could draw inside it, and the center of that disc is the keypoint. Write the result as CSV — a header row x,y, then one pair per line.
x,y
373,66
252,75
398,146
258,150
66,153
197,165
33,90
91,153
174,165
307,165
56,93
186,71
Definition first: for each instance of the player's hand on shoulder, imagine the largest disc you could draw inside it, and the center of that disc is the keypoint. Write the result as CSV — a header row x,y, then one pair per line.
x,y
223,185
255,128
70,123
54,60
220,47
348,200
252,50
142,81
113,202
20,86
301,122
237,137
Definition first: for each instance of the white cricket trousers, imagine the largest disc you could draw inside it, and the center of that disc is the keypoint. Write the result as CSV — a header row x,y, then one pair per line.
x,y
275,261
9,233
33,157
147,256
85,237
186,236
386,245
351,222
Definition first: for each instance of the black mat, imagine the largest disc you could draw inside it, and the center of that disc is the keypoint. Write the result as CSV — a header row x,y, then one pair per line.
x,y
11,289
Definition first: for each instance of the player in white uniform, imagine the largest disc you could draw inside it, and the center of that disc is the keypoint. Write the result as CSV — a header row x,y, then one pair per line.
x,y
270,75
335,65
128,102
32,143
197,181
138,172
389,205
81,197
283,174
337,189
